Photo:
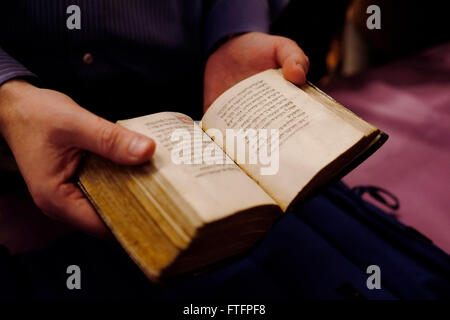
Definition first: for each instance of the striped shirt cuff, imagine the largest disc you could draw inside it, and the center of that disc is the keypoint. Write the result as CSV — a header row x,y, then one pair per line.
x,y
11,68
228,17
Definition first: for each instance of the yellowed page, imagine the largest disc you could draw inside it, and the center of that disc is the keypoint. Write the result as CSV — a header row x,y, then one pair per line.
x,y
213,190
310,135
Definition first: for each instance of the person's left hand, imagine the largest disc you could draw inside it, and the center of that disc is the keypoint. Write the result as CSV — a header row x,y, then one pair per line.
x,y
248,54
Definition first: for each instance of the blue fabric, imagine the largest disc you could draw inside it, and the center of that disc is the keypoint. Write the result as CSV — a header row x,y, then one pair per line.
x,y
293,262
368,236
321,250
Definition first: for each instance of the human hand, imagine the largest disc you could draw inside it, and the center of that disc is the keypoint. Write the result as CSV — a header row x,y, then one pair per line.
x,y
248,54
47,132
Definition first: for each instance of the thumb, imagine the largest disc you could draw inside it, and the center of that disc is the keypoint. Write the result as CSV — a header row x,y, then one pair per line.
x,y
112,141
292,59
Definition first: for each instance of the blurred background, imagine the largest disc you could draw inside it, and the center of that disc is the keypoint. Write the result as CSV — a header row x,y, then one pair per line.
x,y
336,38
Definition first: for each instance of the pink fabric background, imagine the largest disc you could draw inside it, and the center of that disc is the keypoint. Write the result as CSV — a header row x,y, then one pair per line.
x,y
409,100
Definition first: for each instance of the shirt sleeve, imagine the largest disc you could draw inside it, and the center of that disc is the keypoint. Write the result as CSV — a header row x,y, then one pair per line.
x,y
228,17
10,68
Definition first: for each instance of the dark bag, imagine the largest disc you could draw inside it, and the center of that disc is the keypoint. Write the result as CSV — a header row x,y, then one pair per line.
x,y
411,266
321,250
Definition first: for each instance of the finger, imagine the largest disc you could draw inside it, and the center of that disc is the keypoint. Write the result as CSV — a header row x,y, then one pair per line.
x,y
71,206
292,59
112,141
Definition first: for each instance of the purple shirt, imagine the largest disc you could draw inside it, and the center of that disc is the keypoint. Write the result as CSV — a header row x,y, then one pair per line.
x,y
153,43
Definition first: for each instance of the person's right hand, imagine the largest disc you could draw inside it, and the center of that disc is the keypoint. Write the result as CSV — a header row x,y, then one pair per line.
x,y
47,132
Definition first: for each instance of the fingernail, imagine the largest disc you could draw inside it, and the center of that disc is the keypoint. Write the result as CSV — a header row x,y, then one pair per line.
x,y
139,146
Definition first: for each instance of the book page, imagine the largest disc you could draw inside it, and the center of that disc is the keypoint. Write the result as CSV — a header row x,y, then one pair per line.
x,y
197,169
291,135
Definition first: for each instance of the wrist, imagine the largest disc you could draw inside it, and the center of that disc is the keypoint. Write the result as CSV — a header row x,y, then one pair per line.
x,y
11,94
13,88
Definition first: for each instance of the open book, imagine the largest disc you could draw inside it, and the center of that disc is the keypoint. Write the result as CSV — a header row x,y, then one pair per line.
x,y
202,198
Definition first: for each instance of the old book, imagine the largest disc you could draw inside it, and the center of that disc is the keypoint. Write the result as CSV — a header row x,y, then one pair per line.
x,y
202,198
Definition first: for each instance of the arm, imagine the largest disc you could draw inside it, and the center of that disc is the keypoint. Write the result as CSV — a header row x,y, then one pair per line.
x,y
247,48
